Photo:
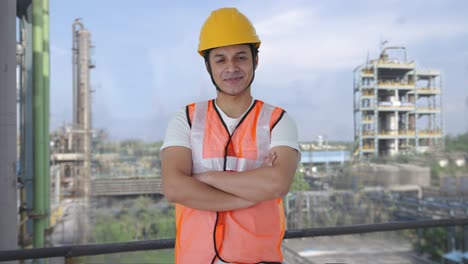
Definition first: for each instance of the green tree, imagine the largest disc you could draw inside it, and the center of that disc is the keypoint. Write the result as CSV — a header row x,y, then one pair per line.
x,y
457,143
299,183
432,241
139,219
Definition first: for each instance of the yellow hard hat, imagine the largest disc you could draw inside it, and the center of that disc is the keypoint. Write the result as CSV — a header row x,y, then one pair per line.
x,y
224,27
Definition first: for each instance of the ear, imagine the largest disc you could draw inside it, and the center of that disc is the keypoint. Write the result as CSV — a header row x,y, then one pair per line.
x,y
256,62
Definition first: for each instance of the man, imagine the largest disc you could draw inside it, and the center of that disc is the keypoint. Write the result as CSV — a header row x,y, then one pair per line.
x,y
227,162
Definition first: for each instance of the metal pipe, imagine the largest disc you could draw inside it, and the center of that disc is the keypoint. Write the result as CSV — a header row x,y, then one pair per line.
x,y
39,211
21,79
85,78
82,113
46,99
22,149
77,25
396,47
8,181
442,130
55,173
74,81
465,238
26,120
28,128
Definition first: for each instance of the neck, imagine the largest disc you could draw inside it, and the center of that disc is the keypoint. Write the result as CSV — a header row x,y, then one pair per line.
x,y
234,106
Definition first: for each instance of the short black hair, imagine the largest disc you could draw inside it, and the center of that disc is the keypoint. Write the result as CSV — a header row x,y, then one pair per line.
x,y
206,53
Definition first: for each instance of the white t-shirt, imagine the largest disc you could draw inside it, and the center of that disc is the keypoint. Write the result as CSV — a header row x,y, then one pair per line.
x,y
178,130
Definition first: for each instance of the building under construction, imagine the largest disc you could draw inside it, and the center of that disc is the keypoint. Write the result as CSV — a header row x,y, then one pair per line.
x,y
397,106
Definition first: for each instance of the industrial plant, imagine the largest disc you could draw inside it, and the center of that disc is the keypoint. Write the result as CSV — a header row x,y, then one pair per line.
x,y
397,106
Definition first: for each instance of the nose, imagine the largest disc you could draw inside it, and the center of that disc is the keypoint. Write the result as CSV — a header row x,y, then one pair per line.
x,y
231,66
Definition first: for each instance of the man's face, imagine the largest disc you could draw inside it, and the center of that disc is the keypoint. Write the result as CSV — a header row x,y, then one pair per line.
x,y
232,68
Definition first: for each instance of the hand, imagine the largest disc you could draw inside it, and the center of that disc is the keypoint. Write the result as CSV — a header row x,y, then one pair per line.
x,y
268,162
205,176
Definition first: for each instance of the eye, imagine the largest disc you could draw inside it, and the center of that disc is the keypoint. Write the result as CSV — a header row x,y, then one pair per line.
x,y
241,58
219,61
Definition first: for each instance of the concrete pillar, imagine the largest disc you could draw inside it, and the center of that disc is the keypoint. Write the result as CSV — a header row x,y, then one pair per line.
x,y
8,196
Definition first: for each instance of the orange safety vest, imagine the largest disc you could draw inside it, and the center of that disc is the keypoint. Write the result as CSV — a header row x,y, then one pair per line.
x,y
248,235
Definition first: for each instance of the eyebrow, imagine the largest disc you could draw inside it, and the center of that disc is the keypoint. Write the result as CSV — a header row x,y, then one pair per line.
x,y
238,53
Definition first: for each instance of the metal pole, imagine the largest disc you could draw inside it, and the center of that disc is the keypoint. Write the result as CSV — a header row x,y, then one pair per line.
x,y
22,149
8,198
39,213
46,80
82,111
442,130
465,239
84,46
28,125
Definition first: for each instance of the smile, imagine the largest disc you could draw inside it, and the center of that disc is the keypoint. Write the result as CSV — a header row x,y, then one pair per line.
x,y
233,80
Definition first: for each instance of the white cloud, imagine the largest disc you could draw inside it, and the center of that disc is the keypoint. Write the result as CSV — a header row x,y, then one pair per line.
x,y
282,23
305,40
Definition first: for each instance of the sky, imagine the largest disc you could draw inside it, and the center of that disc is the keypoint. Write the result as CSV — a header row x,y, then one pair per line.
x,y
147,65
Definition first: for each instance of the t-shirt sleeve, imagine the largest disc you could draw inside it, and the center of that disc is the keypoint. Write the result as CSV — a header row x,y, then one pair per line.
x,y
285,133
178,131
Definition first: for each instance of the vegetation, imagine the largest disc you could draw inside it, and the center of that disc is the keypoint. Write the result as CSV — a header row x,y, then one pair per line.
x,y
299,183
432,241
457,143
140,219
453,144
128,158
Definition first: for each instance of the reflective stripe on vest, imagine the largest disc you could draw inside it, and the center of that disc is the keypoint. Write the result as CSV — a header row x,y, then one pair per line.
x,y
248,235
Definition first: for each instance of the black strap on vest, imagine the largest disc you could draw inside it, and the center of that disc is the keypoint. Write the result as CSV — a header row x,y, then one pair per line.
x,y
217,255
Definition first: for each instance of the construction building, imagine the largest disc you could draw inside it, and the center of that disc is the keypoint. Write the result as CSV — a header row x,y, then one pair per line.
x,y
397,106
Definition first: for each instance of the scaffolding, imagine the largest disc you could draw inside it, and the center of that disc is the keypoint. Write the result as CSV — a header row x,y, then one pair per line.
x,y
397,106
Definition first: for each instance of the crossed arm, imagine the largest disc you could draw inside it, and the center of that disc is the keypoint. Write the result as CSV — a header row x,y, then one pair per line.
x,y
222,191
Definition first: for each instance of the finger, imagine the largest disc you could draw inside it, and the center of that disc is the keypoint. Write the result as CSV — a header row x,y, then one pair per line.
x,y
266,161
271,158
